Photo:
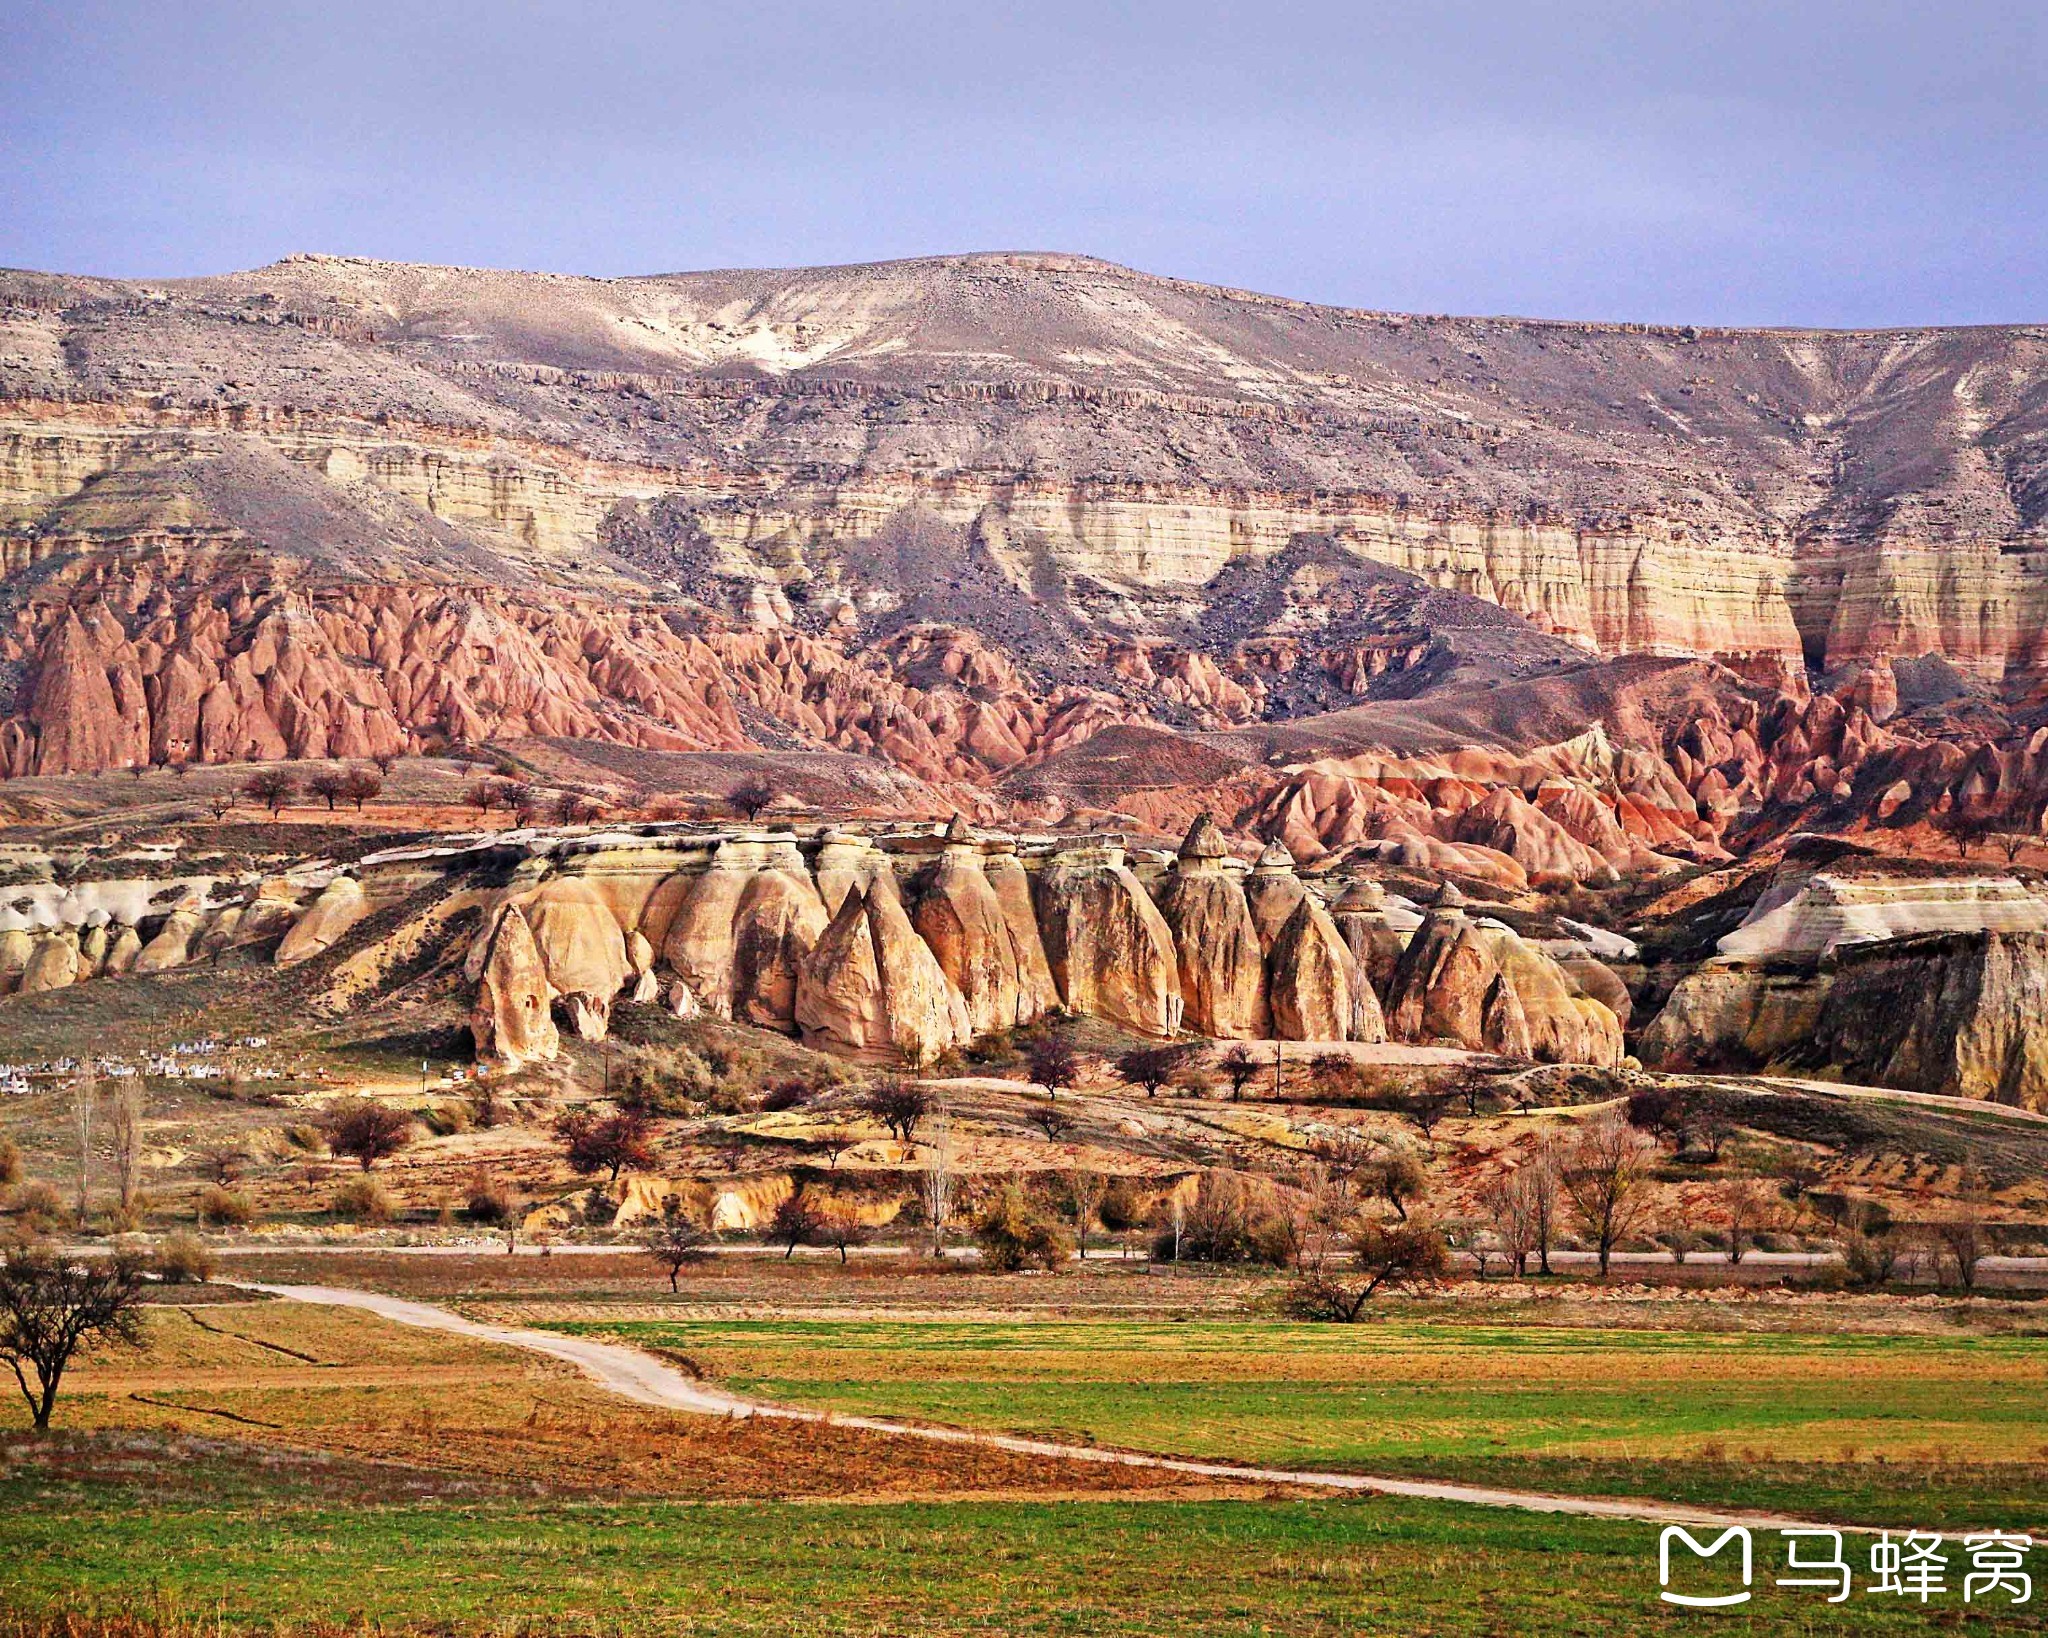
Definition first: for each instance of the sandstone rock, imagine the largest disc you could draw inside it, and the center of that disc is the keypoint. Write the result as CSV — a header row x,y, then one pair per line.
x,y
1111,952
341,904
1481,985
1037,992
776,923
871,987
1373,933
1508,824
16,945
1813,917
1733,1015
582,951
219,934
172,945
122,952
52,964
512,1020
1312,983
698,947
960,917
1273,892
1216,942
1957,1014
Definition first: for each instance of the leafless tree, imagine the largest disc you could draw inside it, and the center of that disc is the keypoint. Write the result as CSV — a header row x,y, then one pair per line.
x,y
1606,1176
85,1097
797,1222
673,1241
1540,1181
604,1143
937,1182
127,1132
1239,1068
1506,1202
1151,1067
360,785
1084,1190
751,797
270,788
328,785
365,1131
1964,1241
899,1105
840,1229
835,1141
1389,1255
1052,1120
1054,1062
51,1305
1749,1205
1426,1106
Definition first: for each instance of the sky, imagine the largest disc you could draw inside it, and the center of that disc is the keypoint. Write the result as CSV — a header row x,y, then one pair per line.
x,y
1803,162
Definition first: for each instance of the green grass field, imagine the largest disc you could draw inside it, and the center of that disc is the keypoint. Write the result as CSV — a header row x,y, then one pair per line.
x,y
1235,1568
1909,1430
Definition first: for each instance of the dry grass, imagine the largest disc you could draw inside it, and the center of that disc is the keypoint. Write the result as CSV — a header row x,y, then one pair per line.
x,y
337,1384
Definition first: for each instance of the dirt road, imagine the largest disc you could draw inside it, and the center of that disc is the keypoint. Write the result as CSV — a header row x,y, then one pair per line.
x,y
640,1377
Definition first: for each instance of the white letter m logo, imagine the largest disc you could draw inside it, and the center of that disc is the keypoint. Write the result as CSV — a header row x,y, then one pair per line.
x,y
1699,1601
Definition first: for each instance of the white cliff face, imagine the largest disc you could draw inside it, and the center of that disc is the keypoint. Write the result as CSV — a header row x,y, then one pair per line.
x,y
1814,919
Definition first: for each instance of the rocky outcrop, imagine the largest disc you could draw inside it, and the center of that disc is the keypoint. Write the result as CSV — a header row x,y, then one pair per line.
x,y
1111,952
960,916
698,946
775,926
1313,983
1274,892
53,963
1221,958
172,945
872,989
1809,917
581,948
511,1019
1734,1015
1481,985
341,904
1958,1014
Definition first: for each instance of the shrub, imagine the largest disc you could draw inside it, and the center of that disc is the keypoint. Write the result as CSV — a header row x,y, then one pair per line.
x,y
446,1120
10,1162
792,1093
182,1259
40,1207
362,1200
229,1208
489,1201
1014,1234
365,1131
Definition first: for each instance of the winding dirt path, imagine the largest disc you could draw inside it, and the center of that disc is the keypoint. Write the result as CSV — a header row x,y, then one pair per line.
x,y
646,1380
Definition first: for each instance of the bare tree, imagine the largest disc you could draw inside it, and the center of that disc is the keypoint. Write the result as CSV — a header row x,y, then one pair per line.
x,y
127,1123
1749,1205
1507,1205
1052,1120
835,1141
1541,1183
329,785
85,1097
673,1241
751,797
270,788
1964,1241
1426,1106
899,1105
797,1222
1053,1061
1151,1067
1084,1191
840,1229
360,785
1239,1068
365,1131
937,1182
609,1143
50,1305
1606,1176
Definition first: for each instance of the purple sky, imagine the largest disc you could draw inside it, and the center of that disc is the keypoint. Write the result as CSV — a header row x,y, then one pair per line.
x,y
1800,162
